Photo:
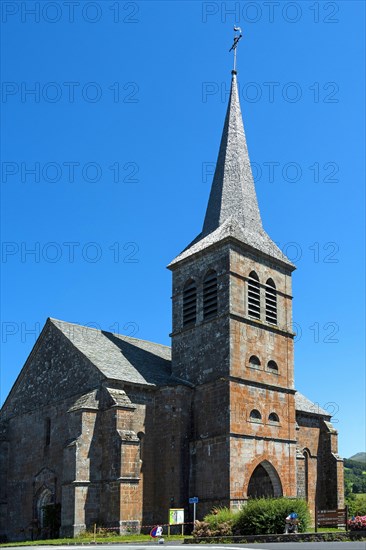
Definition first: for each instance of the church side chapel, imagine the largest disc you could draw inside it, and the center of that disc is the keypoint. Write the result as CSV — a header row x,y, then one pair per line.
x,y
113,430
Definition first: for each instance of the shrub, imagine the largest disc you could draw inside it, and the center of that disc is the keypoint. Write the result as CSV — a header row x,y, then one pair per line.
x,y
267,516
219,516
203,529
217,524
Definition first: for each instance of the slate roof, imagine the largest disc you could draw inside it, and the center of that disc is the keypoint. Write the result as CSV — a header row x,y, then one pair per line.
x,y
232,209
91,400
121,357
303,404
231,228
87,401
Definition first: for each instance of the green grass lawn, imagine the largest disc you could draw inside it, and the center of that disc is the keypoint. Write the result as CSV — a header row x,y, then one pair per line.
x,y
89,538
330,529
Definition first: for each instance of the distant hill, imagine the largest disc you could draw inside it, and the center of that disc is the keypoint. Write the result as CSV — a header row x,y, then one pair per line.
x,y
355,474
359,457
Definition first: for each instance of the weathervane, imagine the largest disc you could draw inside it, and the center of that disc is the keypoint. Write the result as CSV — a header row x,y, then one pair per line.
x,y
237,37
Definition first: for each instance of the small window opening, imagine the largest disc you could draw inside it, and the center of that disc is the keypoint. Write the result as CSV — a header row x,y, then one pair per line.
x,y
189,303
141,437
47,431
255,415
254,306
254,362
210,295
272,365
273,417
271,302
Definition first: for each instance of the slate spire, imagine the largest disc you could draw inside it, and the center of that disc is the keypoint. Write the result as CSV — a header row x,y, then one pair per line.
x,y
232,210
232,192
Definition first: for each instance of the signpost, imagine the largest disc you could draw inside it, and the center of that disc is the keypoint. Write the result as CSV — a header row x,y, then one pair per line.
x,y
194,500
176,517
334,518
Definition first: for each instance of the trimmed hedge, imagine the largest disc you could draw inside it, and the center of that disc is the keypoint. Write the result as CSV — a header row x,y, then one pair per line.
x,y
267,516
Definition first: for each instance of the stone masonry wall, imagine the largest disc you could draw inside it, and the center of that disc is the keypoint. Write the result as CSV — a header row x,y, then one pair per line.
x,y
30,457
259,387
200,352
172,425
209,447
317,441
53,372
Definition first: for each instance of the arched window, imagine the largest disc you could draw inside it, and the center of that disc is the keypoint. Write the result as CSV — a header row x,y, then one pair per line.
x,y
254,303
254,362
273,417
272,366
255,415
210,295
271,302
189,303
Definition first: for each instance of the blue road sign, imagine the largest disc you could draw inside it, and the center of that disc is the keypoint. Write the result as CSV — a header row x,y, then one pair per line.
x,y
193,500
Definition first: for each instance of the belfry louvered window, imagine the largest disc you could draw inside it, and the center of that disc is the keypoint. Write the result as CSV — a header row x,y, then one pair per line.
x,y
210,295
254,304
189,303
271,302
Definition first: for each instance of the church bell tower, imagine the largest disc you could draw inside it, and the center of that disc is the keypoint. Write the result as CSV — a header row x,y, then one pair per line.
x,y
232,339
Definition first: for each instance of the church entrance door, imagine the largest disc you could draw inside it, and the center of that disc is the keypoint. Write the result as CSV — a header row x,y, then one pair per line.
x,y
264,482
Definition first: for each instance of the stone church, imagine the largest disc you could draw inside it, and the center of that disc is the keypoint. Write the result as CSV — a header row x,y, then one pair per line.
x,y
107,429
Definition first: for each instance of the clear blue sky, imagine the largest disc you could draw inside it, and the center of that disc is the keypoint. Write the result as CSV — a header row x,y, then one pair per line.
x,y
122,130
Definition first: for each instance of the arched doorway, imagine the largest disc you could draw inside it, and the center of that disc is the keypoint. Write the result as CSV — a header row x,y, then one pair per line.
x,y
264,482
45,498
44,501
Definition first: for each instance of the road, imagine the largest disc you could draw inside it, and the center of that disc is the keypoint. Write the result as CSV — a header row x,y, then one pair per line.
x,y
358,545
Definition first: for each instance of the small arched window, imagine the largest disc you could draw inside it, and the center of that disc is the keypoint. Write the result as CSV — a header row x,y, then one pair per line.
x,y
254,362
189,303
210,295
271,302
255,415
273,417
254,303
272,366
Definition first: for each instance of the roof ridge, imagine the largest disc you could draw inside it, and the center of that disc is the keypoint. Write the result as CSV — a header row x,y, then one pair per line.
x,y
118,335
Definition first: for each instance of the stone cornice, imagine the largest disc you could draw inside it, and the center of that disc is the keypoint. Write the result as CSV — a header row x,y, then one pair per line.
x,y
263,438
264,385
264,326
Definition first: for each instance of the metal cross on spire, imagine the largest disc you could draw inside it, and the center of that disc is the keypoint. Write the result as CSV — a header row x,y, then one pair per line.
x,y
237,36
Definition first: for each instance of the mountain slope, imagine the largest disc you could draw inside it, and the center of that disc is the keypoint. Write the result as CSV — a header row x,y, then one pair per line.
x,y
359,457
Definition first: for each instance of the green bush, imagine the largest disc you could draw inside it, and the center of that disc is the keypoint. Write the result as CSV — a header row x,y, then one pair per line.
x,y
217,524
267,516
203,529
219,516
